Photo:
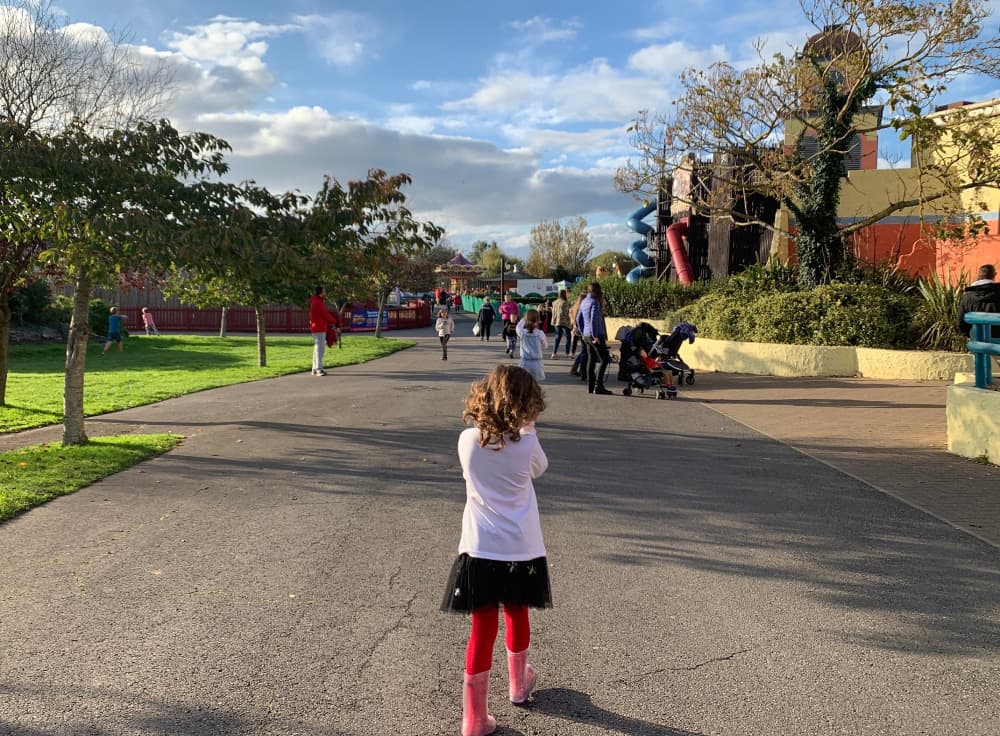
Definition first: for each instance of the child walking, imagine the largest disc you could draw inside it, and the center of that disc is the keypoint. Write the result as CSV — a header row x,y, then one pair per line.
x,y
533,344
445,325
148,323
502,556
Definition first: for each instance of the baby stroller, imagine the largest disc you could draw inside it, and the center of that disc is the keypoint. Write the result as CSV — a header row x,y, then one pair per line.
x,y
651,361
666,350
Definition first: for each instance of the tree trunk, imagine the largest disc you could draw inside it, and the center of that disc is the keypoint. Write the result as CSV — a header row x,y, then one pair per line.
x,y
261,338
381,307
4,345
222,324
76,362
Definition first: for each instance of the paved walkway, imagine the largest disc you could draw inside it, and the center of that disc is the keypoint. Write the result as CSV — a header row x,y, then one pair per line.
x,y
733,562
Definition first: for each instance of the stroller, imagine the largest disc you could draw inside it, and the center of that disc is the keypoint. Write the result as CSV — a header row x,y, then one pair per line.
x,y
652,361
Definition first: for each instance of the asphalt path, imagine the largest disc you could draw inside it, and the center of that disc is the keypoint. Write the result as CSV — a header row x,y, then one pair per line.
x,y
281,571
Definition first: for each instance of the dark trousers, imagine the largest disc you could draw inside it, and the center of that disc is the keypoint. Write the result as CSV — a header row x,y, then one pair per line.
x,y
561,331
444,343
598,359
484,330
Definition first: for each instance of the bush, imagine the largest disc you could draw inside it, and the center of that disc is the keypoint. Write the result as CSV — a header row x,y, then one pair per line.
x,y
28,305
647,297
864,315
61,311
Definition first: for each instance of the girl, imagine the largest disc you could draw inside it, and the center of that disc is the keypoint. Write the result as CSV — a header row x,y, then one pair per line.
x,y
533,344
501,552
445,325
148,323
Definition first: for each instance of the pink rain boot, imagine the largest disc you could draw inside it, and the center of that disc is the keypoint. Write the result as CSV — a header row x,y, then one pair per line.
x,y
475,720
522,677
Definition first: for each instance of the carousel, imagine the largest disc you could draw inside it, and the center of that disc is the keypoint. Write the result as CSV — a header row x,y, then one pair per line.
x,y
460,270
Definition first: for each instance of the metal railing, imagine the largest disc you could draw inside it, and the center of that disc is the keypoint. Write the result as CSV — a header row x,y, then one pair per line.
x,y
982,346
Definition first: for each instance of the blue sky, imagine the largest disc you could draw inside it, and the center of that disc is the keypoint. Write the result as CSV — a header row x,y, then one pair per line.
x,y
504,113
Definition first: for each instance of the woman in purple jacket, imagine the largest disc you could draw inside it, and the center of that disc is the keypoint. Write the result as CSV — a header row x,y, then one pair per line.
x,y
590,323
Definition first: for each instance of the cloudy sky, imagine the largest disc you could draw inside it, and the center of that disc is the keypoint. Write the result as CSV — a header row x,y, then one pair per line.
x,y
504,113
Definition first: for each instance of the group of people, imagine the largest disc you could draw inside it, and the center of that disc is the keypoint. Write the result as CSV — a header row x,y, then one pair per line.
x,y
580,325
116,328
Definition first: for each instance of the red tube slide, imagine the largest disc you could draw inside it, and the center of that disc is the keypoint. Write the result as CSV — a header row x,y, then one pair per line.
x,y
678,253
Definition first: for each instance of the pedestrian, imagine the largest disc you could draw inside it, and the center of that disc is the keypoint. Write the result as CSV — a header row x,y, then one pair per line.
x,y
445,325
590,321
115,322
581,357
502,557
982,295
487,313
320,318
545,315
533,344
561,321
148,323
510,311
509,334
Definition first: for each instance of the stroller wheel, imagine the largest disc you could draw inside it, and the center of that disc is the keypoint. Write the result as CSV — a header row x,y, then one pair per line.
x,y
689,379
627,391
660,395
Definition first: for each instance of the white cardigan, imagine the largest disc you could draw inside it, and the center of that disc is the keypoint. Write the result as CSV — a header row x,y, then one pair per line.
x,y
501,521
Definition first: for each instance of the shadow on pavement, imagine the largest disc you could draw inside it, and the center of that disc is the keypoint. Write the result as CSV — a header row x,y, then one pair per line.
x,y
573,705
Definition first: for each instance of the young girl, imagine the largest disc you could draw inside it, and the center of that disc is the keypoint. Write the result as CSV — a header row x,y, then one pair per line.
x,y
445,325
501,552
533,342
148,323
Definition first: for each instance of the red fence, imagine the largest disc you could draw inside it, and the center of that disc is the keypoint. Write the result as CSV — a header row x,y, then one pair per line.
x,y
276,319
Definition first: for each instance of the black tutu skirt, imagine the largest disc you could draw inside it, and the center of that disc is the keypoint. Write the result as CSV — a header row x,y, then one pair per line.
x,y
476,582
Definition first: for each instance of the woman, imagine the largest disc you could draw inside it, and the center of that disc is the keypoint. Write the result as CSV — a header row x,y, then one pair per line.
x,y
561,321
590,322
487,313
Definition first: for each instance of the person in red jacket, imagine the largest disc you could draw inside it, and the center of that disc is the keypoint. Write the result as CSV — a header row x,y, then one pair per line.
x,y
319,319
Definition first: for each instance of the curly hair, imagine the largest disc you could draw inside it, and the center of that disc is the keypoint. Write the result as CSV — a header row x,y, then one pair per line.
x,y
502,403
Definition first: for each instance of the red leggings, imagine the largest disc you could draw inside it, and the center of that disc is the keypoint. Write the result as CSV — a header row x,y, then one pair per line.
x,y
479,652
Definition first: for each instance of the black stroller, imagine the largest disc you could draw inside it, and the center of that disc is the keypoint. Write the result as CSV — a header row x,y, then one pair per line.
x,y
652,361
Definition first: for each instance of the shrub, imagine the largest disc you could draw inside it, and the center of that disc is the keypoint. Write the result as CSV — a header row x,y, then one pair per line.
x,y
61,311
835,314
28,305
936,316
647,297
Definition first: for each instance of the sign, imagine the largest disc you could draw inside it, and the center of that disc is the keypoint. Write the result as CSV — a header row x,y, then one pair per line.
x,y
367,319
536,286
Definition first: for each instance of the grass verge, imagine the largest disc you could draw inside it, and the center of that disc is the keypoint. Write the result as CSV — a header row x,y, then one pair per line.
x,y
33,475
151,369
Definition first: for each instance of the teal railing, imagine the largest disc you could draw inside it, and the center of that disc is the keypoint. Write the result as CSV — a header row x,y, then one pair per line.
x,y
982,346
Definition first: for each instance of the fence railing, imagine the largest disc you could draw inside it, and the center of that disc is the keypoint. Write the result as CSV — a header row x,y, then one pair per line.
x,y
356,318
982,345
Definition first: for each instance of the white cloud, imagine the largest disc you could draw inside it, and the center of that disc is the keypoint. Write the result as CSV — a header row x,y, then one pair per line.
x,y
342,39
666,60
538,29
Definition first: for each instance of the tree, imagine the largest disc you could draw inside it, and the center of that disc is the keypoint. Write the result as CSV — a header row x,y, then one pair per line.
x,y
51,77
493,258
418,273
268,265
901,54
110,204
478,248
365,235
554,245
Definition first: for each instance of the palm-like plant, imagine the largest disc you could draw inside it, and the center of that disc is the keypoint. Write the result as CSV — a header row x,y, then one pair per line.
x,y
938,313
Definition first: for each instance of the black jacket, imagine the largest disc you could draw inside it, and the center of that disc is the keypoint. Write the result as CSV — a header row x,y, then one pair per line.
x,y
487,314
981,298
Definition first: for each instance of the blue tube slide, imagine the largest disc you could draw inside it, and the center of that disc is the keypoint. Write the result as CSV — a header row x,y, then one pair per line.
x,y
637,251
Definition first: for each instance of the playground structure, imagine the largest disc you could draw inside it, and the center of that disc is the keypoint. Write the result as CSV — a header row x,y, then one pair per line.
x,y
460,272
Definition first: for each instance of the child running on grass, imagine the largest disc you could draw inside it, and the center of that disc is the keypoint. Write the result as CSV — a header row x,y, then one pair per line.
x,y
502,558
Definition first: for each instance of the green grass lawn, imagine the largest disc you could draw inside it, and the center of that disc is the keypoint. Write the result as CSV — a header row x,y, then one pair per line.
x,y
34,475
155,368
